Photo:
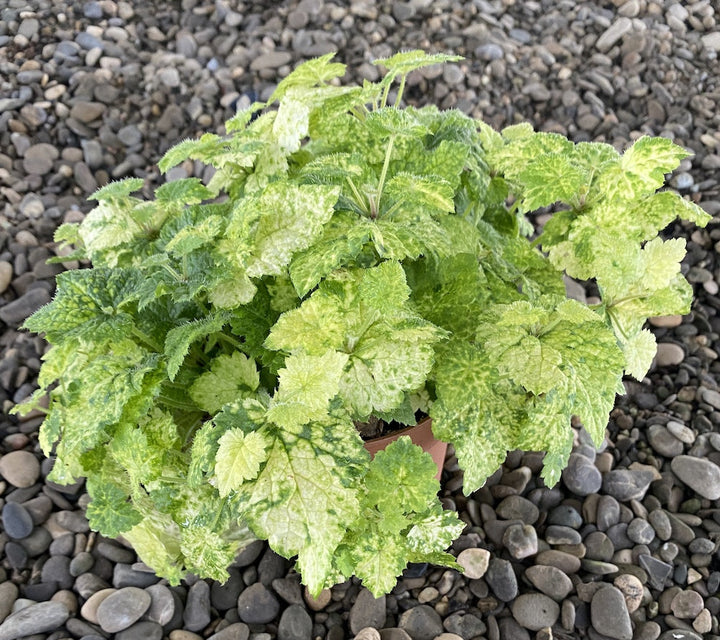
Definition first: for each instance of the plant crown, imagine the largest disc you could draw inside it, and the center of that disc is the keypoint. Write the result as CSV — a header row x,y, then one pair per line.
x,y
347,259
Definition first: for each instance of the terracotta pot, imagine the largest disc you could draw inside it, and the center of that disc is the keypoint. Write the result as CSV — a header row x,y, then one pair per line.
x,y
421,434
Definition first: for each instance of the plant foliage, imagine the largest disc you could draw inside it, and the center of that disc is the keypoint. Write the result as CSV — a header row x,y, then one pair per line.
x,y
347,258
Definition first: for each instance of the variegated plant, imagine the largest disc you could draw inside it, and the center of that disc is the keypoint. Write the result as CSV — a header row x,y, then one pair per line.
x,y
349,260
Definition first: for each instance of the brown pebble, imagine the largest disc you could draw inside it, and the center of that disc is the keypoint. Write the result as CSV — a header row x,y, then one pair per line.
x,y
319,603
632,590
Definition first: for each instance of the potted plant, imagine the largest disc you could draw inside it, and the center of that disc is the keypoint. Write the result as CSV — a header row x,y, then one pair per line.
x,y
350,264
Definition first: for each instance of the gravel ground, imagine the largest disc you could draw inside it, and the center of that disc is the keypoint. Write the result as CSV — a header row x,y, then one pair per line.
x,y
625,547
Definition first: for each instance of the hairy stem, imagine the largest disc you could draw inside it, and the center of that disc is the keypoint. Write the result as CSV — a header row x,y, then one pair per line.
x,y
146,339
383,173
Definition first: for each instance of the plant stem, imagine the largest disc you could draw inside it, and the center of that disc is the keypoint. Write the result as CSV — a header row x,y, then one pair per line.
x,y
356,193
146,339
230,340
383,102
383,173
400,90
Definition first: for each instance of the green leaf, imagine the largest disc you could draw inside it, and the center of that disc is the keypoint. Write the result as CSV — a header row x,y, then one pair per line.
x,y
408,61
364,313
291,123
420,191
311,73
481,432
307,384
400,519
239,458
185,191
291,218
304,496
639,352
390,121
651,158
450,292
229,378
89,304
548,179
109,510
156,540
341,241
179,339
108,226
409,470
204,148
640,283
117,190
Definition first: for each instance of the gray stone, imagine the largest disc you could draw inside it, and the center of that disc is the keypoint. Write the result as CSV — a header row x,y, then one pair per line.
x,y
700,474
669,354
658,571
557,534
88,41
162,605
86,112
517,507
81,563
123,608
581,476
625,484
257,605
271,60
679,634
74,521
295,624
145,629
35,618
687,604
8,594
474,562
130,135
224,596
501,579
663,442
598,546
92,10
17,522
20,468
712,397
367,611
125,576
88,583
535,611
521,541
235,631
57,569
39,158
421,622
640,531
613,33
288,588
197,607
185,44
10,104
92,153
550,580
29,28
609,614
509,629
661,523
84,178
464,625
